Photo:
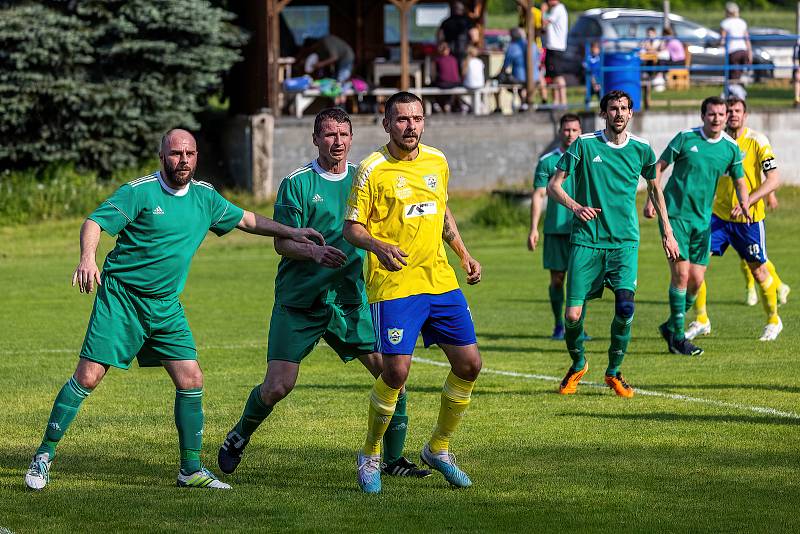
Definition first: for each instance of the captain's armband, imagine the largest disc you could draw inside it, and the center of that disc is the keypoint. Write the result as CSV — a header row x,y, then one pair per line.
x,y
769,164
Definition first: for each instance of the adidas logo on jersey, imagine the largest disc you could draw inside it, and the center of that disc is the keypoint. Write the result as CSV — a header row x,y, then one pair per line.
x,y
158,211
693,149
597,159
317,198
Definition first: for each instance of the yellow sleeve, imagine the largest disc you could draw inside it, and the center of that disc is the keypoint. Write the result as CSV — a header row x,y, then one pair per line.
x,y
766,156
359,204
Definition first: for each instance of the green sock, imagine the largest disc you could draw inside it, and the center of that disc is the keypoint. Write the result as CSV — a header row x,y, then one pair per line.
x,y
677,312
65,408
255,411
557,303
620,337
690,300
394,440
189,421
573,335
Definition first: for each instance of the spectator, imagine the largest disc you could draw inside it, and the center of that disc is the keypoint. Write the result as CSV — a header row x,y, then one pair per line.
x,y
675,54
591,66
516,60
556,24
473,71
458,31
734,30
333,51
447,74
796,76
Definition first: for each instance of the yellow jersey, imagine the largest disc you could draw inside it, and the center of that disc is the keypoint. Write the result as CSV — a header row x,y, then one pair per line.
x,y
758,157
403,203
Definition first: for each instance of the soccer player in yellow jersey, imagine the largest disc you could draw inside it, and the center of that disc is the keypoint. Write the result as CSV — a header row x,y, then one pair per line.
x,y
398,213
729,227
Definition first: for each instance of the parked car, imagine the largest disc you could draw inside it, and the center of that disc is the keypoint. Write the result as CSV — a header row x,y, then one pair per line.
x,y
703,44
779,44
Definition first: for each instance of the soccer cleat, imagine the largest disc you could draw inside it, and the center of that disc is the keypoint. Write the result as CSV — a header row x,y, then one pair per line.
x,y
369,472
558,333
666,333
685,347
771,331
783,294
751,297
403,467
38,474
201,479
445,463
618,384
570,383
696,328
230,454
586,336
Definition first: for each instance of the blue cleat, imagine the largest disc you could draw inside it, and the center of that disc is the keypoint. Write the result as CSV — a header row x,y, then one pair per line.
x,y
558,333
369,472
445,463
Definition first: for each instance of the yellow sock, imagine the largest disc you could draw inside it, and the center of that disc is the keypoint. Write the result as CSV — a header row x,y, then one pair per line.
x,y
769,298
382,402
771,268
455,399
700,304
748,276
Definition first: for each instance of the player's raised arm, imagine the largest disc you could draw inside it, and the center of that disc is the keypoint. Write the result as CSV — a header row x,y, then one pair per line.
x,y
555,190
452,237
655,197
87,273
253,223
391,257
537,197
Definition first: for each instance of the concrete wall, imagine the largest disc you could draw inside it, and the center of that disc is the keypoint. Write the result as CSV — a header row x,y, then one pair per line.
x,y
500,150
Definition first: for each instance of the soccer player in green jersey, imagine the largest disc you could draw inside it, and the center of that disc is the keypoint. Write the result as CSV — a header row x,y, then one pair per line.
x,y
557,220
701,155
606,166
160,220
319,294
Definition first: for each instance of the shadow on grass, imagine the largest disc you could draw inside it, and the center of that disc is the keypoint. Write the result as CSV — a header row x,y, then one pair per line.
x,y
688,418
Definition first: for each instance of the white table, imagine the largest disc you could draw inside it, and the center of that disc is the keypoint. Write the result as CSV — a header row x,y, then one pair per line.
x,y
393,68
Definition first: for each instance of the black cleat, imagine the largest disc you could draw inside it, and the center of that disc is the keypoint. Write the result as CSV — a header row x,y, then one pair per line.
x,y
686,347
665,332
230,454
403,467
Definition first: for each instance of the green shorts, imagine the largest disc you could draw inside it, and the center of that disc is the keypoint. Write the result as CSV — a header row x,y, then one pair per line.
x,y
591,269
556,252
694,240
346,328
126,325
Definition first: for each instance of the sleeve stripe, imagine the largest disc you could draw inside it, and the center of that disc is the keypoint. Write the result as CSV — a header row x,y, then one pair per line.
x,y
227,205
119,210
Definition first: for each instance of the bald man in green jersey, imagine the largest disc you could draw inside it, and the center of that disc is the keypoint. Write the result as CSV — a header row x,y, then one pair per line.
x,y
160,220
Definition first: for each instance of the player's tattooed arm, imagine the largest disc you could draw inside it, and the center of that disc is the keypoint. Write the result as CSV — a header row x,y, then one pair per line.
x,y
452,237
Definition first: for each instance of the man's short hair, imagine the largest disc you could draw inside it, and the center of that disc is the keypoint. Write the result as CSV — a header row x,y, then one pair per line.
x,y
736,100
165,138
568,117
710,101
402,97
615,95
334,114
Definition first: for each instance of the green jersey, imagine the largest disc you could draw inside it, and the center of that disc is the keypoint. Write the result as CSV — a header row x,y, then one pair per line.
x,y
558,219
606,176
312,197
699,162
159,229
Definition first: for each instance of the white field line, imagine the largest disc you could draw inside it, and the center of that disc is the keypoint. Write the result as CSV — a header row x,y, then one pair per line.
x,y
527,376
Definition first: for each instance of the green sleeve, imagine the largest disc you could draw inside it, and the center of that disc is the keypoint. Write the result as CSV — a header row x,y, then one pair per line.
x,y
115,213
674,148
569,161
735,170
649,164
288,205
542,174
224,215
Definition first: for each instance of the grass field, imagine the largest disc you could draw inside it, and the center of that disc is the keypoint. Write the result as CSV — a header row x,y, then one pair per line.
x,y
708,444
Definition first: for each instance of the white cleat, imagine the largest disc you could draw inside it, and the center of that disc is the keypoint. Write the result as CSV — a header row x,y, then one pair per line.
x,y
783,293
751,297
697,328
771,331
38,474
201,479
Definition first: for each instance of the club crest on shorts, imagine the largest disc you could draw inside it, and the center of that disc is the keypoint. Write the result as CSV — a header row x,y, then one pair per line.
x,y
431,180
395,335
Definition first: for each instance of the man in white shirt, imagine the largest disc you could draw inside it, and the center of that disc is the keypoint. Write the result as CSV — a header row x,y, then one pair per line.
x,y
556,25
734,29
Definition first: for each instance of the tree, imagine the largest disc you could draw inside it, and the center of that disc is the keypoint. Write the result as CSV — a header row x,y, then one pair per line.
x,y
96,82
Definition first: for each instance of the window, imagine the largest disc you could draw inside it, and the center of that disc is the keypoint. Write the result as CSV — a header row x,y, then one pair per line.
x,y
423,21
307,22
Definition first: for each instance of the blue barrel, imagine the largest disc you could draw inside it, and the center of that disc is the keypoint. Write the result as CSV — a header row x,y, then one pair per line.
x,y
628,78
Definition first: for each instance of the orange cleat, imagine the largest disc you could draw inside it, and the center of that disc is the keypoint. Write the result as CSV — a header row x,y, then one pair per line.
x,y
620,387
570,383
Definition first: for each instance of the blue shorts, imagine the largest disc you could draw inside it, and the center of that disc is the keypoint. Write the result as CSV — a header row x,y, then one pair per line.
x,y
748,240
441,318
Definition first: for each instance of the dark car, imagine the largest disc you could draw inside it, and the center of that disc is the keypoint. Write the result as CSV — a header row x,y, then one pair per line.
x,y
704,45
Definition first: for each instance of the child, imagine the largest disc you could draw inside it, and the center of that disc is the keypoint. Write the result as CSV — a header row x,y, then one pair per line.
x,y
591,67
473,72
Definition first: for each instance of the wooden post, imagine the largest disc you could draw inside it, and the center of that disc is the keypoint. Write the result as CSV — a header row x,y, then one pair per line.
x,y
530,38
404,6
667,23
274,8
